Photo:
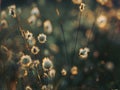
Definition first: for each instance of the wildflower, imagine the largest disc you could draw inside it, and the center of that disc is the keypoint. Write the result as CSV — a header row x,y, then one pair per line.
x,y
35,50
28,88
4,23
42,38
83,53
64,72
74,70
47,64
35,11
32,19
77,1
12,11
52,73
101,21
22,72
25,60
47,26
28,35
82,7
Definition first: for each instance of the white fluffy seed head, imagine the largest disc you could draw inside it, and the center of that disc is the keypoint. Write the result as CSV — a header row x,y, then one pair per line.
x,y
35,50
12,11
52,73
42,38
82,7
83,52
25,60
28,35
101,21
64,72
47,64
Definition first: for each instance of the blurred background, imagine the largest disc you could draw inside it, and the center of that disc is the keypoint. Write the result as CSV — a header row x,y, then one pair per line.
x,y
84,46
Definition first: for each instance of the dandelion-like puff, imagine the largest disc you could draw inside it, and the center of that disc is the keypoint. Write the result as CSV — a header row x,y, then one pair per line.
x,y
83,53
82,7
12,11
101,21
52,73
63,72
35,50
42,38
25,60
74,70
47,64
28,35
